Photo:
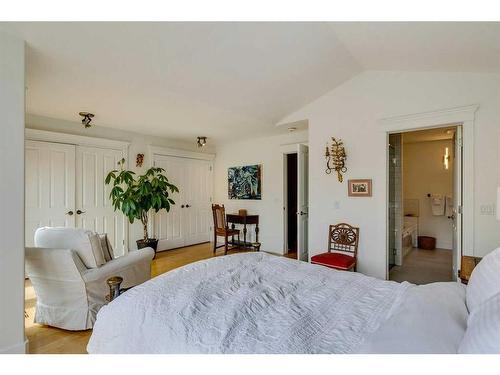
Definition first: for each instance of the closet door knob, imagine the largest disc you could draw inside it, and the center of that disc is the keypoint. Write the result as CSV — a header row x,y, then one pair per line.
x,y
69,213
182,206
187,206
79,212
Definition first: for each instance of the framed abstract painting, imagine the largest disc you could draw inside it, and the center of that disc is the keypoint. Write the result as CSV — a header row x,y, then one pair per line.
x,y
245,182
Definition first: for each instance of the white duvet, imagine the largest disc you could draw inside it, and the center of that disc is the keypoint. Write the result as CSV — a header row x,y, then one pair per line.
x,y
249,303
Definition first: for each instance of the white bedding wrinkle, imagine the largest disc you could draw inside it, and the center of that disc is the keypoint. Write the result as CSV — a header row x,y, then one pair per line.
x,y
247,303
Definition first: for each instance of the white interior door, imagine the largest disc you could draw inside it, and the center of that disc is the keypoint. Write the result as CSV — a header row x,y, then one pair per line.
x,y
197,198
50,186
303,202
94,209
168,226
457,201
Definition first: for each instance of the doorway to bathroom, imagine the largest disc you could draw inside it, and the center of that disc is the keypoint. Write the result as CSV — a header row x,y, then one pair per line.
x,y
425,199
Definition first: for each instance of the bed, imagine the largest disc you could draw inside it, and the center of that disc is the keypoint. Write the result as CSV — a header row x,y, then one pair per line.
x,y
260,303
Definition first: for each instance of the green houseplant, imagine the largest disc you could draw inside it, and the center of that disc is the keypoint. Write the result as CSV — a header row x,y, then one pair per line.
x,y
136,196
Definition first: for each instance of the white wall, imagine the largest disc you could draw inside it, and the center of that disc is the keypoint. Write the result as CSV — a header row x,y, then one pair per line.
x,y
138,144
352,111
12,338
423,173
265,151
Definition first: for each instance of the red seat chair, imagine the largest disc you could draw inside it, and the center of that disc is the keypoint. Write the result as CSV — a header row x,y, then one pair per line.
x,y
342,248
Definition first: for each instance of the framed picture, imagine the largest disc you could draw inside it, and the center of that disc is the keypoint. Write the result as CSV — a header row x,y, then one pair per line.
x,y
245,182
360,188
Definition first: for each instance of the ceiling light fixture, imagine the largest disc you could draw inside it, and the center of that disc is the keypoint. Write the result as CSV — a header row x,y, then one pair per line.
x,y
202,141
87,118
292,129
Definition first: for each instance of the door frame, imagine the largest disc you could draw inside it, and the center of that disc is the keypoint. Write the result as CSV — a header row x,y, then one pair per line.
x,y
292,148
172,152
463,116
85,141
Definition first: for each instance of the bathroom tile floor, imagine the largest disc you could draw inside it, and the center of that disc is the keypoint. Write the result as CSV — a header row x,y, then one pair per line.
x,y
424,266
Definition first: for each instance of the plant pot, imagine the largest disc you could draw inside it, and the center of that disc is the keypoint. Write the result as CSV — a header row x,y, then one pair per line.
x,y
150,242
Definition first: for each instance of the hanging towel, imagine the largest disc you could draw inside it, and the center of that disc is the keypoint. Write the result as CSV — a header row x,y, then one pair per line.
x,y
437,204
448,205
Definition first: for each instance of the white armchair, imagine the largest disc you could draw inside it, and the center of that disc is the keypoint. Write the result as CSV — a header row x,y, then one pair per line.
x,y
69,271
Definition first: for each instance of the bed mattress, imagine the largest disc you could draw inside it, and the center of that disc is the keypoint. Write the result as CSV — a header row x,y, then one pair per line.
x,y
253,303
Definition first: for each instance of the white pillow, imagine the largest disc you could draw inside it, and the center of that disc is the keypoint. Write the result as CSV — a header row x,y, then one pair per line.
x,y
85,242
483,329
107,249
484,281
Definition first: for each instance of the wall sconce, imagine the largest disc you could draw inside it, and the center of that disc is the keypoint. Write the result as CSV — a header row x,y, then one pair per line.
x,y
335,158
139,160
202,141
446,158
87,118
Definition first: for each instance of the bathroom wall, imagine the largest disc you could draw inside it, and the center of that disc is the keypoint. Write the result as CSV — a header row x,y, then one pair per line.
x,y
423,173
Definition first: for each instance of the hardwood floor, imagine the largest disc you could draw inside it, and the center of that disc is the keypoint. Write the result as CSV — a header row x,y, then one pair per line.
x,y
424,266
50,340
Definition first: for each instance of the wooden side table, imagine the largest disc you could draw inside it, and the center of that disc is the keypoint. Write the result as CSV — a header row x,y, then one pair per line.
x,y
468,264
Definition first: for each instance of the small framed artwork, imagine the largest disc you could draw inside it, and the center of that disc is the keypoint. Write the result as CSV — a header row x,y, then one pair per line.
x,y
359,188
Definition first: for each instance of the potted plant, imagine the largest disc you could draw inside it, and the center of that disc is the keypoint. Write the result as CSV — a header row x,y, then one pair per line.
x,y
137,196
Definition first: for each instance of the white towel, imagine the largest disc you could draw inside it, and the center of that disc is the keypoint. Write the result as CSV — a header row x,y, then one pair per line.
x,y
448,205
437,204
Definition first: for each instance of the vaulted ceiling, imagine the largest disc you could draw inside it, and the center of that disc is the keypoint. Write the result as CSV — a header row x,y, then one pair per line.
x,y
226,80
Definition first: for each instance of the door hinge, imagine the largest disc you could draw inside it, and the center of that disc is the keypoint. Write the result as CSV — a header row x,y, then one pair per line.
x,y
210,199
460,209
210,168
459,142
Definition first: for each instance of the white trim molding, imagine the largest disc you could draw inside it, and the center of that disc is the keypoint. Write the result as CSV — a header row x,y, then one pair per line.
x,y
166,151
465,117
429,120
81,140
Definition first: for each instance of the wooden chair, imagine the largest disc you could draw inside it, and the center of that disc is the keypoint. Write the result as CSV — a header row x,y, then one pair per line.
x,y
342,248
221,228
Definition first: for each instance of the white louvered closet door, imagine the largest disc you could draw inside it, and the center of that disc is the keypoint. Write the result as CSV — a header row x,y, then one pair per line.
x,y
94,209
49,187
168,227
197,201
189,220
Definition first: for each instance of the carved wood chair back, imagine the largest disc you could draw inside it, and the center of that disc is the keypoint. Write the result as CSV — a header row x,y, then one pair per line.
x,y
219,215
343,238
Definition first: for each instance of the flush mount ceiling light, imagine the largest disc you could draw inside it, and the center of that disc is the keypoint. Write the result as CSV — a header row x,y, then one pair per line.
x,y
87,118
291,129
202,141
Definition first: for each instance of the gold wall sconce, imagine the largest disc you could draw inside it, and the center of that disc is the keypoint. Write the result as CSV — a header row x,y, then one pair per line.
x,y
139,160
335,158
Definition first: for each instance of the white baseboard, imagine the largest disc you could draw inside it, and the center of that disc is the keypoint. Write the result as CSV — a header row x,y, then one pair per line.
x,y
444,245
20,348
